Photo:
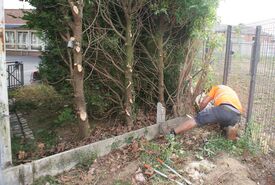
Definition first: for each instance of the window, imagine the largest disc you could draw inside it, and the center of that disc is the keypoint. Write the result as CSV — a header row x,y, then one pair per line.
x,y
22,38
10,39
36,43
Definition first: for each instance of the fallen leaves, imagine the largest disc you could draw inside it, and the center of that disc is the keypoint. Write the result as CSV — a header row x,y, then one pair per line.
x,y
22,155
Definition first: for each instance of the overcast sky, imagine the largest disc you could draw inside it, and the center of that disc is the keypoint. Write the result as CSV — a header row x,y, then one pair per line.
x,y
15,4
245,11
230,11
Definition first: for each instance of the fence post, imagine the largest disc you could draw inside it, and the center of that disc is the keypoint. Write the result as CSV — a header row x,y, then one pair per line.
x,y
254,63
227,54
22,73
160,113
5,142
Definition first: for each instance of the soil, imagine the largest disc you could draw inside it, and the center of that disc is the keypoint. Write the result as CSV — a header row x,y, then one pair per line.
x,y
229,171
65,137
124,166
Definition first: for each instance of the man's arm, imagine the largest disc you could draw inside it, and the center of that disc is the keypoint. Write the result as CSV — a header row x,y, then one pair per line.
x,y
205,101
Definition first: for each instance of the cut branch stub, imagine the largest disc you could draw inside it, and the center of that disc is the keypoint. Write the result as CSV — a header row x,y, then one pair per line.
x,y
83,115
79,67
77,49
130,68
127,112
129,85
75,9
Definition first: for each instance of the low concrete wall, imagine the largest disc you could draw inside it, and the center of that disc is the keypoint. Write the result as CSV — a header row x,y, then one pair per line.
x,y
58,163
26,173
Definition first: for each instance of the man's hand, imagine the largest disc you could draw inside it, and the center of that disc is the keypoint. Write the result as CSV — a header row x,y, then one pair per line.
x,y
205,102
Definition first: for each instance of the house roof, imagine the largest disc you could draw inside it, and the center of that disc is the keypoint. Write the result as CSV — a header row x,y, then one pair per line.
x,y
14,17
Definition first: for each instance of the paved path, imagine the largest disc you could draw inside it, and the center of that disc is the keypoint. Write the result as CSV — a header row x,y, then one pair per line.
x,y
19,126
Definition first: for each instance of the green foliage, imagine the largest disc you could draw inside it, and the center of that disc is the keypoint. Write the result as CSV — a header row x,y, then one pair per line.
x,y
219,143
165,151
178,21
201,13
153,150
53,71
35,96
47,136
46,180
97,105
211,79
65,116
160,7
19,144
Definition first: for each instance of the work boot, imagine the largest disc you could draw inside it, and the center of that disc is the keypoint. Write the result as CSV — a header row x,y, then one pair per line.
x,y
231,132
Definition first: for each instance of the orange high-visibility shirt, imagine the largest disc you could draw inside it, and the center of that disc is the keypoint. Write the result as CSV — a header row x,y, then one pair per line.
x,y
224,94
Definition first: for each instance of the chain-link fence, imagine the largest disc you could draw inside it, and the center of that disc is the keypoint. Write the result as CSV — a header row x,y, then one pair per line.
x,y
246,63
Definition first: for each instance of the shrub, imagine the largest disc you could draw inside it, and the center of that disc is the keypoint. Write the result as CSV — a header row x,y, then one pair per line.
x,y
65,116
34,96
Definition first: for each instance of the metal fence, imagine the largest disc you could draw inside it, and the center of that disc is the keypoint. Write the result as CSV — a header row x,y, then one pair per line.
x,y
15,74
263,111
246,63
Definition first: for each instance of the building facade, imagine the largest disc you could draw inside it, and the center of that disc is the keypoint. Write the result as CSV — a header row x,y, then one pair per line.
x,y
19,39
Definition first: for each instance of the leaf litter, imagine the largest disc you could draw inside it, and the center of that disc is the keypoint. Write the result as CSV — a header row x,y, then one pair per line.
x,y
126,165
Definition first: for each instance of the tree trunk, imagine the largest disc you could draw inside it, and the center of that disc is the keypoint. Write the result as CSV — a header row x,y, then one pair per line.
x,y
160,64
128,68
5,140
78,71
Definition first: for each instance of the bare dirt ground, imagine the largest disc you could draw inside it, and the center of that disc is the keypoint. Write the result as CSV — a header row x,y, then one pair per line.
x,y
125,166
51,139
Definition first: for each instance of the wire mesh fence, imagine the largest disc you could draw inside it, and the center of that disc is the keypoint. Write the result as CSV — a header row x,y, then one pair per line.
x,y
239,66
232,62
263,113
219,54
246,63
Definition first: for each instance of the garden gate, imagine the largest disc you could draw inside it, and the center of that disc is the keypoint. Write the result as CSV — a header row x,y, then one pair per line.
x,y
15,74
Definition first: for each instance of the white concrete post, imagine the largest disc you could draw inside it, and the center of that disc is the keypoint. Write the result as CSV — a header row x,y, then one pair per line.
x,y
160,113
5,142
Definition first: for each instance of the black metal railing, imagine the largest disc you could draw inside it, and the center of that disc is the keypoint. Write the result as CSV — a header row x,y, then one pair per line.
x,y
15,74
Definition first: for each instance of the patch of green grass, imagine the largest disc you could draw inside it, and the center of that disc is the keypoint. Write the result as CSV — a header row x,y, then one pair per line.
x,y
166,151
152,150
219,143
46,180
46,136
19,144
216,144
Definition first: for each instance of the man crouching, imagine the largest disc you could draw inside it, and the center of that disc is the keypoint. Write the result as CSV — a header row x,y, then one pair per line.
x,y
226,112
